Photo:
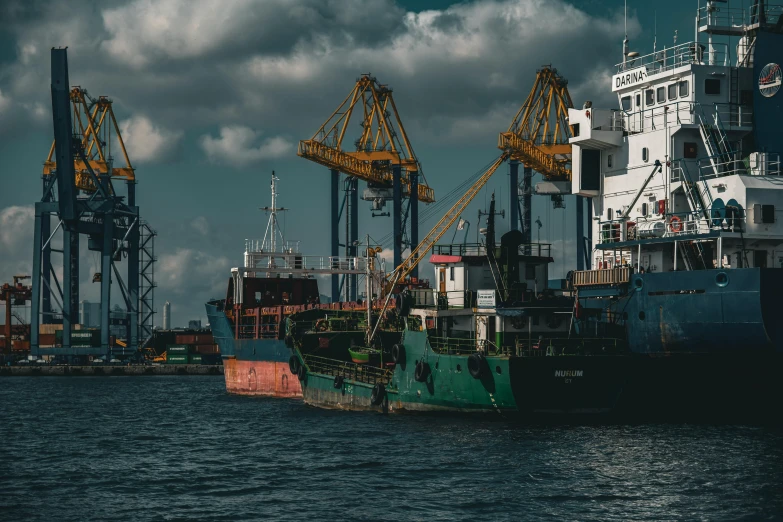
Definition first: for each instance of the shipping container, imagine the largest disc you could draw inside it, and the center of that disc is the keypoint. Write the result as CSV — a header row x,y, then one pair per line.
x,y
194,339
206,348
178,349
176,359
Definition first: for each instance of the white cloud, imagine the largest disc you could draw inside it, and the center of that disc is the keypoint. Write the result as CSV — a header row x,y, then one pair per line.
x,y
239,146
190,272
16,227
16,241
5,102
200,225
147,142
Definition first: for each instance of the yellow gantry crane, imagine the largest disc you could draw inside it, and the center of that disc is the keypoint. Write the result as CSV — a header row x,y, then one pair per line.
x,y
538,136
93,121
382,144
382,156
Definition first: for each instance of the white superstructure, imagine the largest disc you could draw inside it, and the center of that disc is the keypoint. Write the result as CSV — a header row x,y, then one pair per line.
x,y
676,179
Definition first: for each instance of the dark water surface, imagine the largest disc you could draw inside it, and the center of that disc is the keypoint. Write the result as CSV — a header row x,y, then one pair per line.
x,y
169,448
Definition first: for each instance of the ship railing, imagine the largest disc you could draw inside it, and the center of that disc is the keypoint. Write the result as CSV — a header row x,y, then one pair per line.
x,y
732,116
462,346
476,249
284,247
467,249
602,276
678,56
364,373
266,262
689,223
565,346
736,20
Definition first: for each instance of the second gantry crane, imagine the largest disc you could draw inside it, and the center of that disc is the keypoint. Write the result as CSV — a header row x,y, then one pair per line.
x,y
538,138
382,156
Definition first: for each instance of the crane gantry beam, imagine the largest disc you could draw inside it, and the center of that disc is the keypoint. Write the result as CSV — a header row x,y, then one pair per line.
x,y
382,144
538,136
93,121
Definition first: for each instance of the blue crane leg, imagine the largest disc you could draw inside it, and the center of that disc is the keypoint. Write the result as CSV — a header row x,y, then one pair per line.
x,y
106,262
133,272
513,191
68,277
414,215
35,310
354,233
335,231
397,215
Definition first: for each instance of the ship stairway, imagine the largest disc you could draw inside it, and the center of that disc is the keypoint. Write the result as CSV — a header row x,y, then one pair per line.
x,y
497,275
698,192
716,142
694,255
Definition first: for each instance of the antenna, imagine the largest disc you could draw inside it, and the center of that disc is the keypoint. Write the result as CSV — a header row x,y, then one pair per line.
x,y
625,40
655,31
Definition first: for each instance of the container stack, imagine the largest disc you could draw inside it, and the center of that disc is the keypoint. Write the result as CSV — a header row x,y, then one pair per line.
x,y
193,349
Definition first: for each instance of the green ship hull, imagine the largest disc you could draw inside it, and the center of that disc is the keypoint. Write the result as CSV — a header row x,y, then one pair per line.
x,y
448,386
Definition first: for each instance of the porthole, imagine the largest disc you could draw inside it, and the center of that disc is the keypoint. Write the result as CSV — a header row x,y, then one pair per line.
x,y
498,370
639,282
722,279
641,316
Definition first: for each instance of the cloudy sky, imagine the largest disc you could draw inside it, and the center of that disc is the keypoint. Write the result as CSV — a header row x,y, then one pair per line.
x,y
213,95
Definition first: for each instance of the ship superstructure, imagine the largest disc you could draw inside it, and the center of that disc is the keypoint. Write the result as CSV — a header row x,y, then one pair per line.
x,y
686,187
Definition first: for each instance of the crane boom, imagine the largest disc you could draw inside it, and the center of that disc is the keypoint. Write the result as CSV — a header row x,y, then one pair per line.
x,y
94,121
437,232
539,134
382,144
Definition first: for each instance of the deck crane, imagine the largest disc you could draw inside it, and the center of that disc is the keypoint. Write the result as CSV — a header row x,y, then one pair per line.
x,y
538,137
382,156
405,269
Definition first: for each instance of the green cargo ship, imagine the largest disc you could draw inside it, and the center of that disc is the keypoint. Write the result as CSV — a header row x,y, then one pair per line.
x,y
467,343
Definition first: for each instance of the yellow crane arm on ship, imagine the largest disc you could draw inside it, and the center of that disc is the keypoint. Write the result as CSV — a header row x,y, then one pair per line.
x,y
437,232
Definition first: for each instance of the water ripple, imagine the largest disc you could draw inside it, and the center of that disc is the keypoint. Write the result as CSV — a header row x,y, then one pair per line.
x,y
180,448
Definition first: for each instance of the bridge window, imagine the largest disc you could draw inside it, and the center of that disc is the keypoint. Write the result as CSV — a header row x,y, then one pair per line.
x,y
672,91
609,162
649,97
451,273
763,213
661,94
530,271
625,103
712,86
645,154
608,214
638,101
575,130
644,209
684,91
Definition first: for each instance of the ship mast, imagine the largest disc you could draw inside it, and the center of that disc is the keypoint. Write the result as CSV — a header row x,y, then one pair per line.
x,y
270,244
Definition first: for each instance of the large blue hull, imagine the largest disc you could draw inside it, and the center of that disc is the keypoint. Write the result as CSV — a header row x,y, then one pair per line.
x,y
705,311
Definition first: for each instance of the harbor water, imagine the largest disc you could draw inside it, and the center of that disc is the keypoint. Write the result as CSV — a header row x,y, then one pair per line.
x,y
175,448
